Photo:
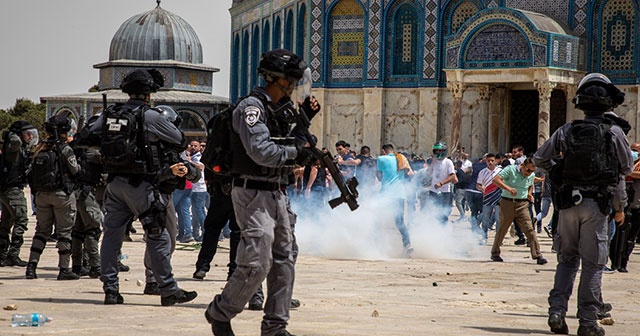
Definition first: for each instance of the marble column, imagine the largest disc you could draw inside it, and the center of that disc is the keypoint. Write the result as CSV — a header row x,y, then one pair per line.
x,y
572,112
427,119
544,95
320,122
480,123
495,110
372,119
457,90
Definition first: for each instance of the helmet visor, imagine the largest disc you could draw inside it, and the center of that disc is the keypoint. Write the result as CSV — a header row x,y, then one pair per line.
x,y
439,153
31,137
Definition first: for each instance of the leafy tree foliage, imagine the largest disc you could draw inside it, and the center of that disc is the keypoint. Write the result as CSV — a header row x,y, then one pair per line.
x,y
24,109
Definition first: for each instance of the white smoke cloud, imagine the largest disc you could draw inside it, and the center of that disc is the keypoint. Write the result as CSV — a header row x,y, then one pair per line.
x,y
370,233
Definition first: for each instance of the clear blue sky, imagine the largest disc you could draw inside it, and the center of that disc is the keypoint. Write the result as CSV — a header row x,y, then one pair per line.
x,y
49,47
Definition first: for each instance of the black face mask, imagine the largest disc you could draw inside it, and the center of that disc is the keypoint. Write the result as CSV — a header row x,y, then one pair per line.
x,y
284,110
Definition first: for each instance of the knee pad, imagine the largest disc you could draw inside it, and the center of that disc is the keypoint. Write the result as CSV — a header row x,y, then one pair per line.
x,y
94,233
16,241
78,235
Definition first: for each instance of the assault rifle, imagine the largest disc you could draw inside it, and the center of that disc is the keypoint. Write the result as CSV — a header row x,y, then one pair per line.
x,y
348,191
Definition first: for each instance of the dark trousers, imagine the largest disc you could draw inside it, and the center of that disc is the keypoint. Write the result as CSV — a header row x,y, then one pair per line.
x,y
632,234
474,199
220,212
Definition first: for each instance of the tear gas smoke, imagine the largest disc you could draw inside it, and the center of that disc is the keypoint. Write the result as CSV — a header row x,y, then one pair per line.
x,y
370,231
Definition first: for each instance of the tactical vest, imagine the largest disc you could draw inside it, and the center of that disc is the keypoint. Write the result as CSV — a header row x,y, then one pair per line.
x,y
12,174
91,171
590,159
45,171
125,148
242,164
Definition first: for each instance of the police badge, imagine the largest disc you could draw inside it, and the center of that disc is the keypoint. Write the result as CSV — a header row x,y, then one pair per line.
x,y
251,115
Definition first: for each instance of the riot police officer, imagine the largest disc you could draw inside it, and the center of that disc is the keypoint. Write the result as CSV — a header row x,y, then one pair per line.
x,y
53,168
87,228
131,137
263,157
592,187
20,138
167,183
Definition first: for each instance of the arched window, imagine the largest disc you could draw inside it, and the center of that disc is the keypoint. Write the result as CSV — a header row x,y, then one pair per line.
x,y
244,75
288,31
615,32
277,30
266,33
255,55
193,125
462,12
403,32
345,52
483,51
234,92
301,31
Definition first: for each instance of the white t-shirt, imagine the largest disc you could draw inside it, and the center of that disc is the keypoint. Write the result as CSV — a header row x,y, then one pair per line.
x,y
440,170
466,165
199,186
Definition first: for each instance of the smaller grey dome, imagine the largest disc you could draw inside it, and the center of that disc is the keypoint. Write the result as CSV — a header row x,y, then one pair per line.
x,y
156,35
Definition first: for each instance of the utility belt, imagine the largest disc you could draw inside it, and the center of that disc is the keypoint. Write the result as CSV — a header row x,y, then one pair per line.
x,y
258,185
569,197
515,199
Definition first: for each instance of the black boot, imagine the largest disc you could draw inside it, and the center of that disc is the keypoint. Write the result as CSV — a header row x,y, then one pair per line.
x,y
80,270
94,272
557,324
113,297
595,330
122,267
14,260
151,288
31,270
3,256
67,274
181,296
219,328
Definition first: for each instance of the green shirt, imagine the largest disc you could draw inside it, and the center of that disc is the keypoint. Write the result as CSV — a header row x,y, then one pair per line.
x,y
513,178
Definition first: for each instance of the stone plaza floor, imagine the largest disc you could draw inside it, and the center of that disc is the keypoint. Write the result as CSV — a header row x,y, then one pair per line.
x,y
392,296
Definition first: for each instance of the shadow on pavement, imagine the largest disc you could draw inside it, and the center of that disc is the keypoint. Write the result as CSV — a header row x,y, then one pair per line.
x,y
510,331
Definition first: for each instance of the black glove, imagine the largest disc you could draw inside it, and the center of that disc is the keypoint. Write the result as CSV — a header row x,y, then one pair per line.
x,y
308,110
193,173
305,155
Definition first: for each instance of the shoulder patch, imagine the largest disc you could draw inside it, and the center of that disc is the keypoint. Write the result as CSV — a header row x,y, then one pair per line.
x,y
72,161
251,115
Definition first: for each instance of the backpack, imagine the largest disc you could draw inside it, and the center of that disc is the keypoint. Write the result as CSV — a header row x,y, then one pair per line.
x,y
217,155
45,171
589,160
4,167
123,140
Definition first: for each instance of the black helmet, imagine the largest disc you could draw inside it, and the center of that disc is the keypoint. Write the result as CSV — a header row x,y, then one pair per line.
x,y
440,150
19,126
596,94
58,123
170,113
281,63
142,81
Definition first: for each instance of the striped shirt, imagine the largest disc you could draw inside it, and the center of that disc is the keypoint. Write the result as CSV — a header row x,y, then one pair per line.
x,y
492,194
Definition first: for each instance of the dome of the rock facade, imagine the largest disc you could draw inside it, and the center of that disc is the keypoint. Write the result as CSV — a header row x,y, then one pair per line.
x,y
156,35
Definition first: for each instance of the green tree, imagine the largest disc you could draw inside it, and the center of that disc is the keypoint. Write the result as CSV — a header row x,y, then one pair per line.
x,y
24,109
